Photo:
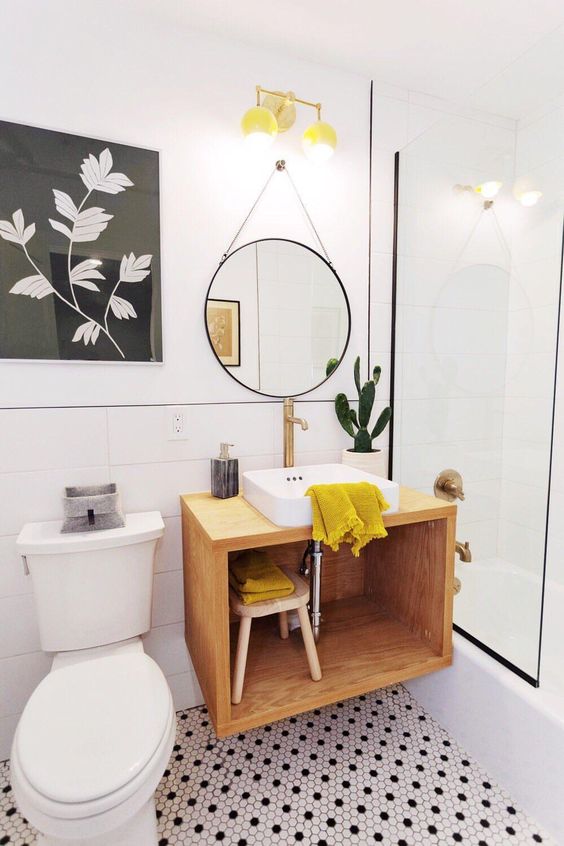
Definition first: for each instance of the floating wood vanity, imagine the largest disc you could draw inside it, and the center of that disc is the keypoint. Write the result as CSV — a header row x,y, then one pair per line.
x,y
387,616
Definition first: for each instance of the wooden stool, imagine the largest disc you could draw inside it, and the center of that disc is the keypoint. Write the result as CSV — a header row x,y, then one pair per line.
x,y
297,600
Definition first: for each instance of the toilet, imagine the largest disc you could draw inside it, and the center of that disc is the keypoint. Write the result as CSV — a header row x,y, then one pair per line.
x,y
96,734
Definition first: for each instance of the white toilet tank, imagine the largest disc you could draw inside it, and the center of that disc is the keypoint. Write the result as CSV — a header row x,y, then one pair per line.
x,y
91,588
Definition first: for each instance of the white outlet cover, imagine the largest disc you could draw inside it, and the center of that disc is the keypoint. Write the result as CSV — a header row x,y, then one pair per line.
x,y
180,413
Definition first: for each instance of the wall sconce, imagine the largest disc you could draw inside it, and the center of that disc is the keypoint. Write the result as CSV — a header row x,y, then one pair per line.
x,y
529,198
489,190
277,113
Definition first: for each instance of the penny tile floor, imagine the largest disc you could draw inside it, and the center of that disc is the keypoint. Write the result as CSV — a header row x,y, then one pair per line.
x,y
375,769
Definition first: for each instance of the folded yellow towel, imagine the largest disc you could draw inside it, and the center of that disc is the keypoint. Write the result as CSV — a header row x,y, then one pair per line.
x,y
347,513
255,578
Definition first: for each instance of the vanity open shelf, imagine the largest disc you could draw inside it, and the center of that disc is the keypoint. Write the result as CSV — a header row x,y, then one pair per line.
x,y
386,616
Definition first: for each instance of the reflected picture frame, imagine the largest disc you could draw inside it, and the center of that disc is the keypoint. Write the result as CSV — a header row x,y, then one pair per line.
x,y
223,322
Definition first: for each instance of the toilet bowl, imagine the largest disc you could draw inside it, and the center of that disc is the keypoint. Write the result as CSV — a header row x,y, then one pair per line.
x,y
90,749
96,734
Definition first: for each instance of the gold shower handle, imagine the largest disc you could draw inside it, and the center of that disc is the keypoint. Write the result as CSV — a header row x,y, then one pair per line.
x,y
448,485
453,489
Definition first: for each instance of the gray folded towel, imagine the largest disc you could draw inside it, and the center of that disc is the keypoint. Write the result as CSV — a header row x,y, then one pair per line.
x,y
90,508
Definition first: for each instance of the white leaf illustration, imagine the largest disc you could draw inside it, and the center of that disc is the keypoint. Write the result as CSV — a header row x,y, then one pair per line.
x,y
115,182
86,332
85,270
84,283
106,162
134,269
36,286
65,205
122,308
18,219
8,232
97,177
17,232
80,331
89,224
60,227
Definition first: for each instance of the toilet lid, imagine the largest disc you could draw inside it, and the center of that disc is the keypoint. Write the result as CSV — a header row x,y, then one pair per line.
x,y
90,728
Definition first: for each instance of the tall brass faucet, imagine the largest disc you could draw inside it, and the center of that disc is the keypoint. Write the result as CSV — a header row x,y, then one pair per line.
x,y
289,422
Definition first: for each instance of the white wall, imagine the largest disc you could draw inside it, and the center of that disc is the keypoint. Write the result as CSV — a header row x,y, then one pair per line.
x,y
183,94
41,450
453,291
106,74
146,83
541,149
536,248
477,313
477,320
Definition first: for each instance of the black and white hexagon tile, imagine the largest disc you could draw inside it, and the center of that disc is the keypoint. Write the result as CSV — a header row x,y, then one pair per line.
x,y
375,769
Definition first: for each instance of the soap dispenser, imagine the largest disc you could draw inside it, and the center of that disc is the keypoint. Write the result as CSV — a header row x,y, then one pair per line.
x,y
224,474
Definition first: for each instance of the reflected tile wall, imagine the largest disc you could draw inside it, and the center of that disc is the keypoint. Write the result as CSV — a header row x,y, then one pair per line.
x,y
476,332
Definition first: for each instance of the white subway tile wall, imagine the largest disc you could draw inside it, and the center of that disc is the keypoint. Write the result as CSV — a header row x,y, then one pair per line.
x,y
151,472
476,339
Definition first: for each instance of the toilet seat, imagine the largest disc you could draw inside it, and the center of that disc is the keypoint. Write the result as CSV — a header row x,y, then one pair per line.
x,y
89,729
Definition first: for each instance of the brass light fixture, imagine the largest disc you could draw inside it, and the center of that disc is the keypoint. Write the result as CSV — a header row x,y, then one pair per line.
x,y
277,113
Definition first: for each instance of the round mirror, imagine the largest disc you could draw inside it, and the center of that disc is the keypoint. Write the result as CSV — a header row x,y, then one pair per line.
x,y
276,314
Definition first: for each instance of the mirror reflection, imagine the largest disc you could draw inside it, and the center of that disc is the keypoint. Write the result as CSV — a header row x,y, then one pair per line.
x,y
276,313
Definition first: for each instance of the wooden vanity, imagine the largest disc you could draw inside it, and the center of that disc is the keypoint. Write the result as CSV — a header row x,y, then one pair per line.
x,y
387,616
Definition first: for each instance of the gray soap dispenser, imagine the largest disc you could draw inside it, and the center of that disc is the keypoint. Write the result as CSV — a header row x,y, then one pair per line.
x,y
224,474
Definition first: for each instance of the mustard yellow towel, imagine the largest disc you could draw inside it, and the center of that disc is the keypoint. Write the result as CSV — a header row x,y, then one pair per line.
x,y
255,578
347,513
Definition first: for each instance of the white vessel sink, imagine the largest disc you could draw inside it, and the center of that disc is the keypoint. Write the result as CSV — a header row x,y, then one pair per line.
x,y
279,494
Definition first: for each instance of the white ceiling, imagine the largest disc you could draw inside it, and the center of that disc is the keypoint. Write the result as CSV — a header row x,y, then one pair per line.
x,y
531,83
448,48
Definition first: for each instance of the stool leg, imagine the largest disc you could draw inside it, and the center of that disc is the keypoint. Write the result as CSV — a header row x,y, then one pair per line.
x,y
241,659
309,643
283,622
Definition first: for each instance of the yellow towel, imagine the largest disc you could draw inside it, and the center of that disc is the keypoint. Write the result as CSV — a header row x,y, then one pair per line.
x,y
255,578
347,513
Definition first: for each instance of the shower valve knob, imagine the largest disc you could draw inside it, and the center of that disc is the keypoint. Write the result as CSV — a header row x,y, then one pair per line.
x,y
448,485
453,489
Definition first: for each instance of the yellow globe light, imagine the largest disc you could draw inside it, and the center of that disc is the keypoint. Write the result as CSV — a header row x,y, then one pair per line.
x,y
259,127
319,141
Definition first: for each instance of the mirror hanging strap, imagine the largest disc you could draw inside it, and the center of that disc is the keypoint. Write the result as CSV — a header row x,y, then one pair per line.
x,y
279,167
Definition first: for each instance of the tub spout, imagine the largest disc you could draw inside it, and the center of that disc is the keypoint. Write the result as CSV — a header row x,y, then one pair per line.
x,y
463,549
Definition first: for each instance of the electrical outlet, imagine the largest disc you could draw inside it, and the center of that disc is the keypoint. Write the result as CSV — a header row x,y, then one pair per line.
x,y
178,424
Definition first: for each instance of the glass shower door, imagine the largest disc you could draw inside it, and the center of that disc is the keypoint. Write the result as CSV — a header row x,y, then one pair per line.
x,y
477,295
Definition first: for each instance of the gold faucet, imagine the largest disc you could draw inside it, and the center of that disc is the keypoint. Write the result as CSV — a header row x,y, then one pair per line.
x,y
463,549
289,422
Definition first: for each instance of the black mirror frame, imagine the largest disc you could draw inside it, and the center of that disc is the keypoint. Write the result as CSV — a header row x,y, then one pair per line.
x,y
337,277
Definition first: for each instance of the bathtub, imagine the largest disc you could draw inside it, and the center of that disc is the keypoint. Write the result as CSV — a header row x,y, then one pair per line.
x,y
514,730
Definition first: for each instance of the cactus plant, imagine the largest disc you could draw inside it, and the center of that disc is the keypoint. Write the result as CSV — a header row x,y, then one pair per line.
x,y
357,425
331,365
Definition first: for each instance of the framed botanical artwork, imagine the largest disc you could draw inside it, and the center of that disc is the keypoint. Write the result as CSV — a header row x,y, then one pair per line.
x,y
80,272
223,320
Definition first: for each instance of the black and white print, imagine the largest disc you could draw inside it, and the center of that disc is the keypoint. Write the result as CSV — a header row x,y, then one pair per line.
x,y
79,248
376,769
